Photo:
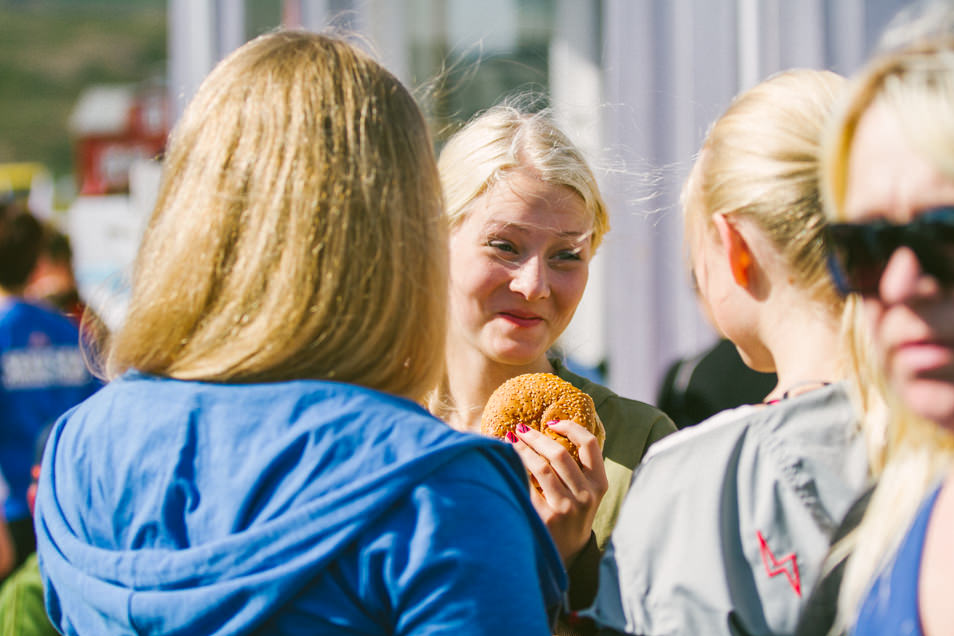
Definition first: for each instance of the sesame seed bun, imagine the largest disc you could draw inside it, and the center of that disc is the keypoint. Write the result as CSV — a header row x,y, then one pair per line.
x,y
534,399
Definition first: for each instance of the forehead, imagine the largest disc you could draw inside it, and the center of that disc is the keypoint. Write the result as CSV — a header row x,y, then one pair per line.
x,y
522,201
887,176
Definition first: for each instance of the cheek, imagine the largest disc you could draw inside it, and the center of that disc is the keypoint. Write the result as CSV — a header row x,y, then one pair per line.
x,y
705,271
873,314
713,298
569,288
473,278
873,311
931,399
883,326
699,283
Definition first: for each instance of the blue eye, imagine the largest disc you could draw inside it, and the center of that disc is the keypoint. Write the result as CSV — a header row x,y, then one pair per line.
x,y
568,255
503,246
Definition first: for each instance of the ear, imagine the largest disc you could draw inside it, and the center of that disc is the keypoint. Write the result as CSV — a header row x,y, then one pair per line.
x,y
736,250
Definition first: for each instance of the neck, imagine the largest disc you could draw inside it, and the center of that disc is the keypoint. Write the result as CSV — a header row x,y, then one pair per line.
x,y
804,341
472,377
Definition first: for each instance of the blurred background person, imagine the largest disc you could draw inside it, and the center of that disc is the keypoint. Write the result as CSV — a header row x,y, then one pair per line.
x,y
52,280
42,370
715,379
725,523
52,283
260,463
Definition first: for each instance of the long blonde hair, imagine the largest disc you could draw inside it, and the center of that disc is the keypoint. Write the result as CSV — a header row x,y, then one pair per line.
x,y
916,85
298,231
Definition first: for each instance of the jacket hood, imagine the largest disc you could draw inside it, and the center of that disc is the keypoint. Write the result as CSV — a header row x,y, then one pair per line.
x,y
206,510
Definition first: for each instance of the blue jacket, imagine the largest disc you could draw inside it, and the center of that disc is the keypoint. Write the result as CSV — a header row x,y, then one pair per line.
x,y
169,507
42,375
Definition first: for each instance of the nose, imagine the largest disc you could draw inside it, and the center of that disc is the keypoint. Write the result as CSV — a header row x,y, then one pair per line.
x,y
530,279
904,280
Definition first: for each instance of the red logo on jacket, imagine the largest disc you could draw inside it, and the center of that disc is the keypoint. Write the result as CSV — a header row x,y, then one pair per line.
x,y
774,566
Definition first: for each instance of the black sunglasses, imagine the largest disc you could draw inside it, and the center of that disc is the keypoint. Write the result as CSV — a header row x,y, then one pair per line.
x,y
859,252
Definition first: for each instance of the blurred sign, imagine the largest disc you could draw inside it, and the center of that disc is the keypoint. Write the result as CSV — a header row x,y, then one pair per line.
x,y
105,232
116,126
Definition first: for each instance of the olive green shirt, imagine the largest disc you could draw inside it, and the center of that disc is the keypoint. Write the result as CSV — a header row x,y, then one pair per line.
x,y
631,426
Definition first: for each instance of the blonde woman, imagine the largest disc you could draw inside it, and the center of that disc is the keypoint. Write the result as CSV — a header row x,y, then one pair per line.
x,y
258,463
725,523
888,178
526,217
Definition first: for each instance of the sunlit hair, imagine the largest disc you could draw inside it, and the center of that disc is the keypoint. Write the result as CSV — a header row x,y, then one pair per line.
x,y
298,231
505,138
917,87
759,161
915,84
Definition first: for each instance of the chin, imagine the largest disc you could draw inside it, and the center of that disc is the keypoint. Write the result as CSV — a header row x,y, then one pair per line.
x,y
931,399
517,360
517,356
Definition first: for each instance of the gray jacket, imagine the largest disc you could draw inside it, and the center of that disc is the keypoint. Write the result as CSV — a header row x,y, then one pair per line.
x,y
726,523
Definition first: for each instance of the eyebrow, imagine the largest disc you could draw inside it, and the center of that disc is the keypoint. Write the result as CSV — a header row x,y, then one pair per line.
x,y
523,227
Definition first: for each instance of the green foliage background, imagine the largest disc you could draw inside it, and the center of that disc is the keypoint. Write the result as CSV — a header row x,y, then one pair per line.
x,y
51,49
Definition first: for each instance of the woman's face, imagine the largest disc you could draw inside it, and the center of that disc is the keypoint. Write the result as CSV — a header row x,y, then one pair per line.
x,y
519,262
912,315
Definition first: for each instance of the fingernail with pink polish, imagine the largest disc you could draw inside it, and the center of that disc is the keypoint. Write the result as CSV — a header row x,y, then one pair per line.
x,y
511,437
552,422
522,428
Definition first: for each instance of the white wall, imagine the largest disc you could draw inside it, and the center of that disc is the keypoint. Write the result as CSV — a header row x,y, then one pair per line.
x,y
669,68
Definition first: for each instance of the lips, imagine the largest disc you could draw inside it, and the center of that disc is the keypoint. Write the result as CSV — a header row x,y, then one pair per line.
x,y
924,356
521,319
917,338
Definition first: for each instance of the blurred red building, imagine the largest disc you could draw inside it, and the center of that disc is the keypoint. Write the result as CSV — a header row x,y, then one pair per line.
x,y
113,126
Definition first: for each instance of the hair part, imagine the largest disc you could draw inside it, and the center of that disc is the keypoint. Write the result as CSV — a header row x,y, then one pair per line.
x,y
506,138
298,231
